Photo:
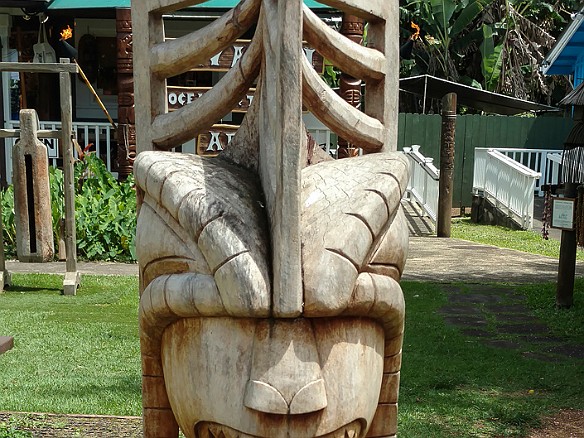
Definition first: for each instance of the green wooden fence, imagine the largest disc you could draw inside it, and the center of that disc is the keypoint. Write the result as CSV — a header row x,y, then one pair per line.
x,y
476,131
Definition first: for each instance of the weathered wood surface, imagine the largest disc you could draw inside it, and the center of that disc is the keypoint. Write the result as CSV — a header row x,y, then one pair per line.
x,y
5,279
72,277
32,194
33,67
172,129
358,61
6,343
177,56
270,304
356,127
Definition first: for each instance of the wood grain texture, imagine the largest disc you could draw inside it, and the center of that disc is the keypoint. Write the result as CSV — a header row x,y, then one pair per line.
x,y
174,57
352,58
338,115
172,129
371,10
281,135
270,301
149,91
32,194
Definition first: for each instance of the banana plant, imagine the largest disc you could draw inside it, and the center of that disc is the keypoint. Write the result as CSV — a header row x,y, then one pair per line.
x,y
445,21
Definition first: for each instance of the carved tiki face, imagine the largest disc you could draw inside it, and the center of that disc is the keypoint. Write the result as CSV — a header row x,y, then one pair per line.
x,y
230,366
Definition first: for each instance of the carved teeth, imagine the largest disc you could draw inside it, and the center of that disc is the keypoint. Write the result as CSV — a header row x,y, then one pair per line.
x,y
213,430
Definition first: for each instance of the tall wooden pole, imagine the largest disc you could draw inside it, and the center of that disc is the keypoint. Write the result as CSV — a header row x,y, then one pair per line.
x,y
126,134
446,165
4,274
72,277
567,264
350,88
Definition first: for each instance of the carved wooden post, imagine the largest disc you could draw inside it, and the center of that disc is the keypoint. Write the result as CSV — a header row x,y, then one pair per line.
x,y
4,274
72,276
444,218
350,87
256,318
32,194
126,134
567,261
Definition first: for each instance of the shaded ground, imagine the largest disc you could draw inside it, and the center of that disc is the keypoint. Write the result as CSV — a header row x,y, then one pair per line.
x,y
567,424
66,426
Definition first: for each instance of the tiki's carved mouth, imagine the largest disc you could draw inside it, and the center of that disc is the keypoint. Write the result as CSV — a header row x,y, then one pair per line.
x,y
214,430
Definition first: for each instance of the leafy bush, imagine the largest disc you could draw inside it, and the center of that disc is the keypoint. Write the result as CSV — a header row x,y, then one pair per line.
x,y
105,212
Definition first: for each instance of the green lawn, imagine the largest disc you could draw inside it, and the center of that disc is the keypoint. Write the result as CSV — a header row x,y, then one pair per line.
x,y
453,385
73,354
522,240
80,354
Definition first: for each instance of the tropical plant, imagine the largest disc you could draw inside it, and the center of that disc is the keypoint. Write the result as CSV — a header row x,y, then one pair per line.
x,y
497,45
105,212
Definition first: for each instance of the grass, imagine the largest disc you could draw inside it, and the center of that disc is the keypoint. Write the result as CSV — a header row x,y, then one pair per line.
x,y
73,354
526,241
81,355
453,385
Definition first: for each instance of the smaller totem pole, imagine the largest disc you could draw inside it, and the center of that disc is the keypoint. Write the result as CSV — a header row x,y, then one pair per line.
x,y
350,87
126,134
446,165
32,195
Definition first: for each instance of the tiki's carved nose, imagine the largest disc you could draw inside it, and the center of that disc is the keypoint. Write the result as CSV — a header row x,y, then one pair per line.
x,y
286,373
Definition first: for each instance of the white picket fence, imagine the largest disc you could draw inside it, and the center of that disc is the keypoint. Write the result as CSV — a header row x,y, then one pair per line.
x,y
423,183
509,185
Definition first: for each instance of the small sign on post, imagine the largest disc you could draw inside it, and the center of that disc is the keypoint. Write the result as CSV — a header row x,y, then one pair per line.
x,y
563,210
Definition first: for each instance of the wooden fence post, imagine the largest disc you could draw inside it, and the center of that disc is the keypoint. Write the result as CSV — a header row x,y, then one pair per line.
x,y
4,274
567,263
72,278
446,165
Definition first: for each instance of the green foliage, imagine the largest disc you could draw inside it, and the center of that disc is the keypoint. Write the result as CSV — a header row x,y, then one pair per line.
x,y
7,216
492,59
78,355
105,212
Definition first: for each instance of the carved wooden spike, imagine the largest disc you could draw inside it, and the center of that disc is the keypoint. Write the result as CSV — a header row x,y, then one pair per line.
x,y
280,140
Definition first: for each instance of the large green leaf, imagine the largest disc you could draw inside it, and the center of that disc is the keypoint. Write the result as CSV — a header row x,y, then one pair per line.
x,y
442,11
492,59
467,15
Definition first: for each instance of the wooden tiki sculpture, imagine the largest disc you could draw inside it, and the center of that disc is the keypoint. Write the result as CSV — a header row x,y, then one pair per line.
x,y
270,304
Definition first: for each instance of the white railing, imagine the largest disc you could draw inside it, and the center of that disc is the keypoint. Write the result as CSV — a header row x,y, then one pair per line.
x,y
509,185
97,133
534,159
423,184
553,168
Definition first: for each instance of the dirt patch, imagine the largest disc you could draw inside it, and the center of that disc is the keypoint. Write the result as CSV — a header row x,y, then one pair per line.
x,y
566,424
67,426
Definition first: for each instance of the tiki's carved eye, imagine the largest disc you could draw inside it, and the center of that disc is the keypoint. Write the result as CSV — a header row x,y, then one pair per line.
x,y
270,304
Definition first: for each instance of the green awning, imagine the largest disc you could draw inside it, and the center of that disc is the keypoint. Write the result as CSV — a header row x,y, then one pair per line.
x,y
105,4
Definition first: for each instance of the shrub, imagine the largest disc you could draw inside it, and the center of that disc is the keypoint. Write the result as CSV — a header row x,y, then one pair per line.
x,y
105,212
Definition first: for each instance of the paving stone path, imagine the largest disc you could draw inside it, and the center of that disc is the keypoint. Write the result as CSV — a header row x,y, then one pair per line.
x,y
499,317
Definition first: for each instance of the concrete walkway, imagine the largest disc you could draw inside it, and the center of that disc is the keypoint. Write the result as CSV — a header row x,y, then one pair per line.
x,y
429,259
452,260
